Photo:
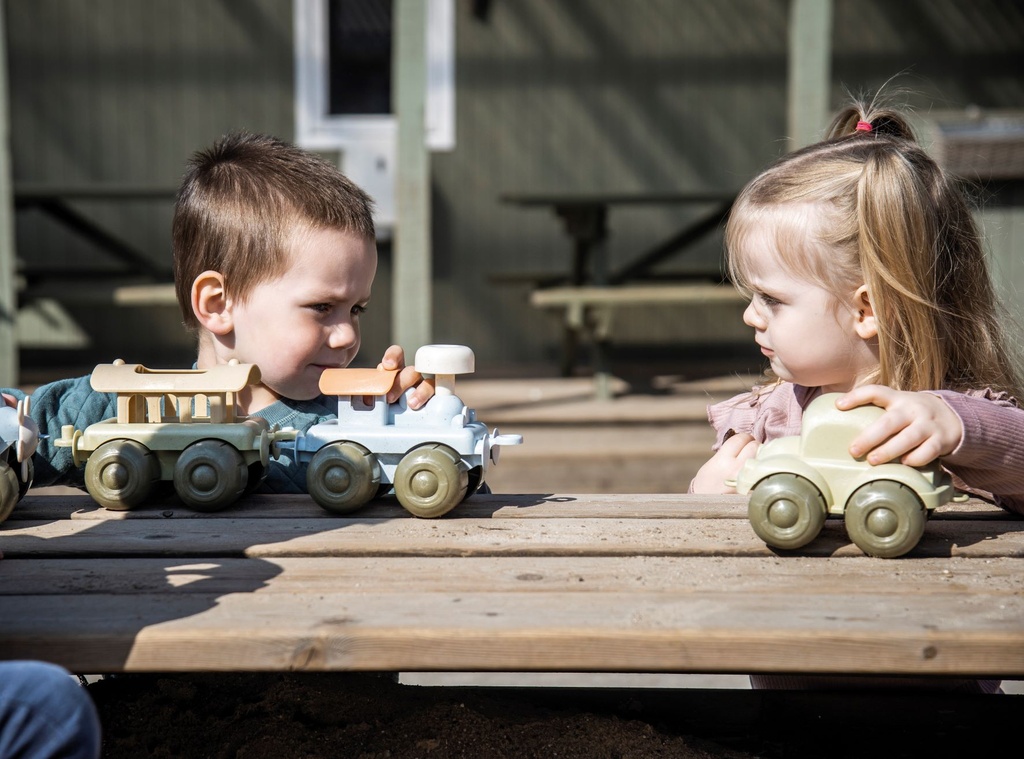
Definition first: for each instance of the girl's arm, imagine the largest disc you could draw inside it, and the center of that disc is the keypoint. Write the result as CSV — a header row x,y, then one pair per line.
x,y
724,465
979,437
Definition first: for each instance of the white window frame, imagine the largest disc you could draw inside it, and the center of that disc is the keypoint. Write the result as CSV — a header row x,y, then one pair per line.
x,y
366,143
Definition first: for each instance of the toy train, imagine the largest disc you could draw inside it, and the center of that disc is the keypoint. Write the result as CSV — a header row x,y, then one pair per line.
x,y
795,482
432,457
182,428
175,427
19,437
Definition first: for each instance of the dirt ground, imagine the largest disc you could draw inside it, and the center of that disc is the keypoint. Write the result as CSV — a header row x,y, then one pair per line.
x,y
371,716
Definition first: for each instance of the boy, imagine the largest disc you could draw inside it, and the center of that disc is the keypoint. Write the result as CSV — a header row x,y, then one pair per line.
x,y
274,258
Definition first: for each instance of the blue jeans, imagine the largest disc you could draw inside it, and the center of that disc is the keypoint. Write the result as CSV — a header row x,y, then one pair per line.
x,y
45,714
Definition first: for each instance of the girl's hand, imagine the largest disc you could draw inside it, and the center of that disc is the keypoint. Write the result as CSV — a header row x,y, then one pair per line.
x,y
394,358
10,400
724,465
916,428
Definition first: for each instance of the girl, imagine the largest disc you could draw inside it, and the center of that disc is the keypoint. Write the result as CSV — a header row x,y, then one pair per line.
x,y
867,277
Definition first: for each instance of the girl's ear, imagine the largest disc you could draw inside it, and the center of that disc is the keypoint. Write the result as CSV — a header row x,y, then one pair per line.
x,y
211,304
864,322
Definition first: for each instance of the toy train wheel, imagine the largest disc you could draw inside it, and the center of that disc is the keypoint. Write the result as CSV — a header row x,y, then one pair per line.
x,y
786,510
431,480
119,475
209,475
885,518
9,489
341,477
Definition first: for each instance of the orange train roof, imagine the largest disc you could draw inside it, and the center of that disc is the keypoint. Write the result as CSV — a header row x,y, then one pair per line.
x,y
357,381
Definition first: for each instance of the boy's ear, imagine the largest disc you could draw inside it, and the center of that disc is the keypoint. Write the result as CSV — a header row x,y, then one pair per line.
x,y
864,323
211,304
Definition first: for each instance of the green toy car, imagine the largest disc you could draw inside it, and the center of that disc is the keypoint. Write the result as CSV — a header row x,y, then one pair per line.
x,y
795,482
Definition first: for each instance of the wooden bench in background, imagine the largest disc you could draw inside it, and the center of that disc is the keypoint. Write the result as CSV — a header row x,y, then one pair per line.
x,y
588,312
557,583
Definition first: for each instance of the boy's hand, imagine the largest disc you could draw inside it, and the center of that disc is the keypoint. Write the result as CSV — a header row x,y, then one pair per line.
x,y
916,428
394,358
724,465
10,400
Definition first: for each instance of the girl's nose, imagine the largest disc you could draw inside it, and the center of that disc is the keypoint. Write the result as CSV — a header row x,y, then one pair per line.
x,y
752,318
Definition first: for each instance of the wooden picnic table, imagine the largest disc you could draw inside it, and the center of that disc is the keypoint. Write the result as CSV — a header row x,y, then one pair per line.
x,y
602,583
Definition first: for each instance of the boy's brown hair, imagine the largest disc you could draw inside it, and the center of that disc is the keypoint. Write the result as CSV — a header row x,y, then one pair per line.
x,y
241,200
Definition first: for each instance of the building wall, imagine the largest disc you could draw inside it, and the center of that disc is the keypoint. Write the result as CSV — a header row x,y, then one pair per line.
x,y
552,96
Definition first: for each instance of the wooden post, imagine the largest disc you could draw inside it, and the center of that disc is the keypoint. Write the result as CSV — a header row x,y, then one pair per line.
x,y
810,70
412,273
8,294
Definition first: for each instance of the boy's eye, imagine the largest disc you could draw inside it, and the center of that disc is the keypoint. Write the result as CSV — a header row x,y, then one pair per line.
x,y
769,301
358,309
321,308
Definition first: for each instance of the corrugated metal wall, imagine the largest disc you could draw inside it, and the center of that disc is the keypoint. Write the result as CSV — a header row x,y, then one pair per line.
x,y
115,92
552,96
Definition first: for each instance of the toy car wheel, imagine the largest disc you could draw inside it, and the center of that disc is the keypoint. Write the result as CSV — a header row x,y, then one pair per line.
x,y
209,475
119,475
431,480
885,518
341,477
786,510
9,490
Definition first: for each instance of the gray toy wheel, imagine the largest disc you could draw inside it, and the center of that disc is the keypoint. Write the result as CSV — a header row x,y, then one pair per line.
x,y
885,519
342,477
9,490
431,480
119,475
786,510
209,475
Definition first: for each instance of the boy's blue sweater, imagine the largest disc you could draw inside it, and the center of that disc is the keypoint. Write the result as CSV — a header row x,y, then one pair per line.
x,y
74,402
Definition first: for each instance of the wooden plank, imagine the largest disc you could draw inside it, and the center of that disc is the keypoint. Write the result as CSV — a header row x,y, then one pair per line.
x,y
8,294
810,70
236,537
789,579
526,506
411,277
538,506
635,295
964,634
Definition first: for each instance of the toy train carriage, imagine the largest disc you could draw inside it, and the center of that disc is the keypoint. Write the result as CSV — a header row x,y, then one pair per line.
x,y
795,482
175,426
433,457
19,437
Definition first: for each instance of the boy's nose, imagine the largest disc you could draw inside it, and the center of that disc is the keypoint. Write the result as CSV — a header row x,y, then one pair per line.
x,y
342,336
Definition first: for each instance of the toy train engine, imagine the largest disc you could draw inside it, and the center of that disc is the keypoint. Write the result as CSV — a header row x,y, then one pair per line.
x,y
433,457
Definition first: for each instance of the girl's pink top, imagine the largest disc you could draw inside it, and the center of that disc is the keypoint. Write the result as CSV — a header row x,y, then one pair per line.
x,y
989,462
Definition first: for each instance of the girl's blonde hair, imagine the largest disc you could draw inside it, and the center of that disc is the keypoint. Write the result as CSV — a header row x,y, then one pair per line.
x,y
870,207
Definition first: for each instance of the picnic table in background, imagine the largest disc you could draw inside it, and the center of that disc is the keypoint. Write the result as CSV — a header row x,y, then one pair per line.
x,y
590,292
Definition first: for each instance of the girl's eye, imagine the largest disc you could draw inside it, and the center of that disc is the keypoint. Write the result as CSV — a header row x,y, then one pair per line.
x,y
358,310
321,308
768,301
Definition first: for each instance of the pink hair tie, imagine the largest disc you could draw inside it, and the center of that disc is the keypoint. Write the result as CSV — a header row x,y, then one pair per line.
x,y
863,126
